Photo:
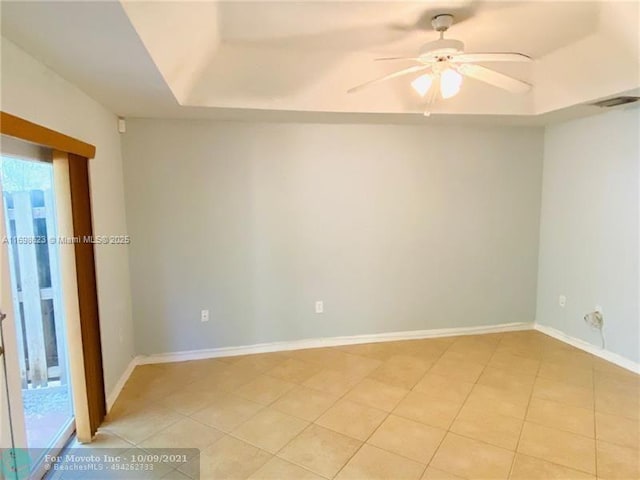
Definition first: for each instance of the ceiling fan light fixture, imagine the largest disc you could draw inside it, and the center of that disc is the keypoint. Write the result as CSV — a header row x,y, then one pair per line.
x,y
422,84
450,83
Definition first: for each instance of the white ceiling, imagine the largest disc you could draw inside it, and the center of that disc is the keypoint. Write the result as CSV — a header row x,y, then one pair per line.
x,y
93,45
196,58
401,27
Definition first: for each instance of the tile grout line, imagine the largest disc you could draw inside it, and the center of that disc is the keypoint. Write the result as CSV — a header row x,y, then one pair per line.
x,y
310,423
400,416
561,430
391,412
378,427
435,452
448,430
233,392
524,420
338,399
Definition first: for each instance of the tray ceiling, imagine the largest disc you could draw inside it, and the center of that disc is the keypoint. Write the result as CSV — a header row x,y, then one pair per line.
x,y
162,58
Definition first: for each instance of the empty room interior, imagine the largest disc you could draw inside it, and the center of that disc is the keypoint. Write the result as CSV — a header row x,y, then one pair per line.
x,y
307,240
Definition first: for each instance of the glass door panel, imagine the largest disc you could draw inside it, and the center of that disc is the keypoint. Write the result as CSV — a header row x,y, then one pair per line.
x,y
44,409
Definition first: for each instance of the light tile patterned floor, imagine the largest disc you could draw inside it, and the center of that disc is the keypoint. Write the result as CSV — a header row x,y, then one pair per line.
x,y
517,405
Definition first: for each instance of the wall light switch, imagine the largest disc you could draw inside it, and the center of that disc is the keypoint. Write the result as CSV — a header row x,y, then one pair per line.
x,y
319,306
204,315
562,301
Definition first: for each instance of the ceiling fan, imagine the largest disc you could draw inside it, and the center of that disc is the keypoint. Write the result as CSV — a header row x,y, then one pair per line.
x,y
445,63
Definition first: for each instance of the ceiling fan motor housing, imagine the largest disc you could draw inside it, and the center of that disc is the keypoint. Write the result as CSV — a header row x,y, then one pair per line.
x,y
441,48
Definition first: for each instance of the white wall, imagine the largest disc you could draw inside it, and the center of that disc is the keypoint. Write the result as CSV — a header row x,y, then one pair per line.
x,y
589,229
394,227
32,91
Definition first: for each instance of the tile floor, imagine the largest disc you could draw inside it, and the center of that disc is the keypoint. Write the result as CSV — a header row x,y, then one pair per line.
x,y
516,405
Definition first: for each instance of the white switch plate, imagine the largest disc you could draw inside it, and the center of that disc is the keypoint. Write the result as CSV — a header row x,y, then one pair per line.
x,y
562,301
204,315
319,306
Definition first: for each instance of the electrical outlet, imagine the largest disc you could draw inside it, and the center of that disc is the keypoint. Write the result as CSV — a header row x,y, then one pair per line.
x,y
319,306
562,301
204,315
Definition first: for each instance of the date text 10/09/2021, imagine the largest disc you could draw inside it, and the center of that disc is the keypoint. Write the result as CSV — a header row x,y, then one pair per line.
x,y
104,461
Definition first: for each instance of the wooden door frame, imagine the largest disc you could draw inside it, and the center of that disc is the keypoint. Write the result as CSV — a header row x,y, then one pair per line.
x,y
71,172
87,288
33,133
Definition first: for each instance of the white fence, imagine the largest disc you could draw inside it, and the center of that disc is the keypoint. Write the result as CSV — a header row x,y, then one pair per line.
x,y
35,285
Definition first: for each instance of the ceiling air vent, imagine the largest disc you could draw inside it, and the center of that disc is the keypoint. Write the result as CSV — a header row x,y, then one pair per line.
x,y
616,101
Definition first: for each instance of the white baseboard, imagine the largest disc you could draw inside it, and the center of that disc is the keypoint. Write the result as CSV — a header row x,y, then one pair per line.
x,y
589,348
113,395
326,342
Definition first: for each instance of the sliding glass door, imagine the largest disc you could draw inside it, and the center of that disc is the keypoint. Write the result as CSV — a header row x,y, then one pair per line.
x,y
37,400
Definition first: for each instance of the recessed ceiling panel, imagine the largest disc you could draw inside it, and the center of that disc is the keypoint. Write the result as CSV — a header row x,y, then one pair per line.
x,y
166,58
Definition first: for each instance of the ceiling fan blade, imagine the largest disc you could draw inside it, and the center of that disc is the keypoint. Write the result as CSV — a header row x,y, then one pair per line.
x,y
494,78
491,57
399,73
384,59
